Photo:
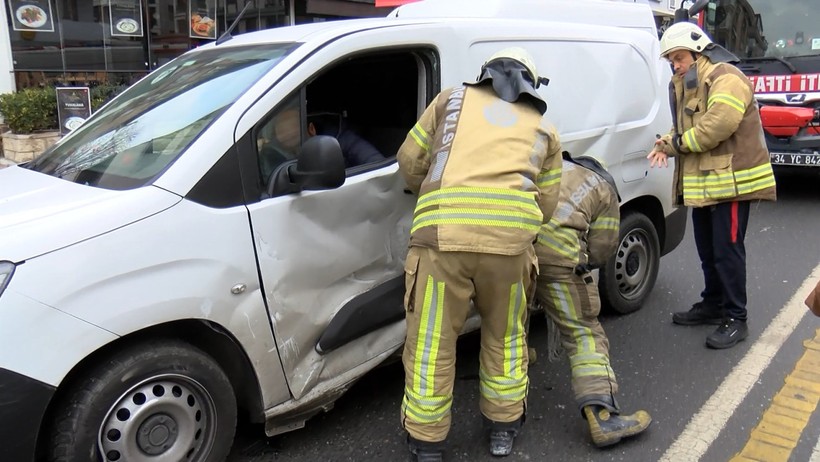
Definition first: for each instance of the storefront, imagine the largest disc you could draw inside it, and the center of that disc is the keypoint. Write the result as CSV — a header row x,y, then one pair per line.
x,y
88,42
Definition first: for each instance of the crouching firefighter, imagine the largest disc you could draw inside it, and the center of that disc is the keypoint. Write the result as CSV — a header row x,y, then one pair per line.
x,y
487,168
581,235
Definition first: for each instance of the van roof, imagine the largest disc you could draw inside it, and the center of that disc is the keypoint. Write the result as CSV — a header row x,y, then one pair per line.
x,y
596,12
602,12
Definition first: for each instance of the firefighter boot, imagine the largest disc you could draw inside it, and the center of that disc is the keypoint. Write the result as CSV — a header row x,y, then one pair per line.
x,y
728,334
607,427
700,313
502,436
423,451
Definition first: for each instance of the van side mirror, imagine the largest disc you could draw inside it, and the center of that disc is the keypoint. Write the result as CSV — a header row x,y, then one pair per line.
x,y
320,165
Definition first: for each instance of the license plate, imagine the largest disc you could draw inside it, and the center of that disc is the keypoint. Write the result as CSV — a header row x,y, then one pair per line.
x,y
785,158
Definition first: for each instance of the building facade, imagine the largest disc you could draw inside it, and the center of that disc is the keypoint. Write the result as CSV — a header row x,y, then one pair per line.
x,y
89,42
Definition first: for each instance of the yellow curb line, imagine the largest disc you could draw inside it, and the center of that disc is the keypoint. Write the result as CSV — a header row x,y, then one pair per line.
x,y
780,427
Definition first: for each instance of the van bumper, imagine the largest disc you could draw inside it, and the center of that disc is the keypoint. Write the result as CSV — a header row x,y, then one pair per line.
x,y
675,229
23,403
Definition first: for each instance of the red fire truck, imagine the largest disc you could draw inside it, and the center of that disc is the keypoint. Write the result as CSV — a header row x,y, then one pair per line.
x,y
778,43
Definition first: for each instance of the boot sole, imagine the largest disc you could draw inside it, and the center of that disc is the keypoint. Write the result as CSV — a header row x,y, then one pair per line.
x,y
723,346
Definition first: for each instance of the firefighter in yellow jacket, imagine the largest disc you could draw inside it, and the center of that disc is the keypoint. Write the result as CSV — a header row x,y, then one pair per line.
x,y
722,165
581,235
487,168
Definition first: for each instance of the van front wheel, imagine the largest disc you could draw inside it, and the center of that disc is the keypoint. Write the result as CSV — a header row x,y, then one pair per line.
x,y
163,401
630,274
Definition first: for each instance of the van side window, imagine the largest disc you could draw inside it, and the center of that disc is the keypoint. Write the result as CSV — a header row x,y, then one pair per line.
x,y
279,137
368,102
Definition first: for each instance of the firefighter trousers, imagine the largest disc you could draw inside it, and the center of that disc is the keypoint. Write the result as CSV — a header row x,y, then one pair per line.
x,y
439,289
720,233
573,304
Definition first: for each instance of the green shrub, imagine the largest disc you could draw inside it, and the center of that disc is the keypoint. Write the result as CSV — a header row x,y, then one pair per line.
x,y
102,93
30,110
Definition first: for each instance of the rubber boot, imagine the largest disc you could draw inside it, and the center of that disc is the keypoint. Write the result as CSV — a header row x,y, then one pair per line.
x,y
607,427
423,451
502,436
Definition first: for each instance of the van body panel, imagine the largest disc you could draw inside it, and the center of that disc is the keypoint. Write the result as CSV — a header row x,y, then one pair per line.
x,y
28,326
178,264
41,213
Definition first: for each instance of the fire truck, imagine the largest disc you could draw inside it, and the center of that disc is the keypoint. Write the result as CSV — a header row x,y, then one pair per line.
x,y
778,43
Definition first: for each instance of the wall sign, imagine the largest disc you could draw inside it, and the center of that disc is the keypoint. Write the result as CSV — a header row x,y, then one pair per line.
x,y
73,107
125,17
28,15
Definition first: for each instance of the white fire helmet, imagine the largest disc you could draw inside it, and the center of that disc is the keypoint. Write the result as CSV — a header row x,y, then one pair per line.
x,y
684,36
517,54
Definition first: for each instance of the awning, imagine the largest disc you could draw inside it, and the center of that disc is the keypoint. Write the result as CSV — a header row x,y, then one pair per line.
x,y
381,3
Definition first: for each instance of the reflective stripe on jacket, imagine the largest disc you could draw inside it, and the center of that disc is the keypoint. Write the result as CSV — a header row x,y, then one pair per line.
x,y
584,227
486,171
723,155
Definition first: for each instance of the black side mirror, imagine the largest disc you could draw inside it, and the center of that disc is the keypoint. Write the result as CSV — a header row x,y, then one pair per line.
x,y
320,165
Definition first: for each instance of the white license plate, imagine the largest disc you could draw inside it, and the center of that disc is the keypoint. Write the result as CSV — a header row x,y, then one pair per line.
x,y
785,158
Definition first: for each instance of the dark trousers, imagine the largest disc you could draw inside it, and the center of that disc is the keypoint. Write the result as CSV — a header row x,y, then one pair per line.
x,y
719,234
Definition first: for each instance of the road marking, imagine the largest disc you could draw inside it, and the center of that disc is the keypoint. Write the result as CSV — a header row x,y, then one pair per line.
x,y
779,430
706,425
815,455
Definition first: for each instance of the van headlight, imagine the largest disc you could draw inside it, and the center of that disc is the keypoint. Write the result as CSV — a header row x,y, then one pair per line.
x,y
6,270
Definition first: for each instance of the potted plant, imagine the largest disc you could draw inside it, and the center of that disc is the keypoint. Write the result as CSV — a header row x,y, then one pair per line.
x,y
31,115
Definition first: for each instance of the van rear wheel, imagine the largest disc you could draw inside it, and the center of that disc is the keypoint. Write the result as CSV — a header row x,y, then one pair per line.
x,y
163,401
629,276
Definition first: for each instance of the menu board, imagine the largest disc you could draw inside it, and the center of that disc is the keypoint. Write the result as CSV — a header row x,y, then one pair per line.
x,y
126,17
73,107
202,23
31,15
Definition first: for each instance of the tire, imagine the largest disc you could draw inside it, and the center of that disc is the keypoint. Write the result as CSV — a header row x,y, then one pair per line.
x,y
159,401
629,276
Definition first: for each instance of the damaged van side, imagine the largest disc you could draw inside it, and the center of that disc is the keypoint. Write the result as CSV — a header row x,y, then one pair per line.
x,y
191,252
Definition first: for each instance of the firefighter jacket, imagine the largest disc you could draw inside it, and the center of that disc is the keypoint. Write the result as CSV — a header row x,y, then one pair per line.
x,y
487,172
718,137
584,228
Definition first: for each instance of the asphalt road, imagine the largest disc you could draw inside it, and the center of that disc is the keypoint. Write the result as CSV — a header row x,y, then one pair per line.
x,y
662,368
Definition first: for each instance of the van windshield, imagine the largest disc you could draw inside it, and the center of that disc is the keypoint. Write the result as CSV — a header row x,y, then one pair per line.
x,y
134,138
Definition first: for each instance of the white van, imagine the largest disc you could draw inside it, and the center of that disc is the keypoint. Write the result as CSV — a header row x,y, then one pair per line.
x,y
186,253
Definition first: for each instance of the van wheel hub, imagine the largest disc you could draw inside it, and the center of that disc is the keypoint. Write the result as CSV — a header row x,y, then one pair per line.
x,y
157,434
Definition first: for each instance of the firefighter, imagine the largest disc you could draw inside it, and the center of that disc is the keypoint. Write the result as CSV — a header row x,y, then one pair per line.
x,y
722,165
487,168
582,235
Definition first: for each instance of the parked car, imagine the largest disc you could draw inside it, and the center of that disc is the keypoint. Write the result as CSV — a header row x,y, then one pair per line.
x,y
188,253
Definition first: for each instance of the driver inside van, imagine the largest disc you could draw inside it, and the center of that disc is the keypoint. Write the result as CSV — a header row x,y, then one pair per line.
x,y
278,140
356,150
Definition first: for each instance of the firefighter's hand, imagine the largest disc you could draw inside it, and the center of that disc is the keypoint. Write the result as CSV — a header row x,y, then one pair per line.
x,y
658,157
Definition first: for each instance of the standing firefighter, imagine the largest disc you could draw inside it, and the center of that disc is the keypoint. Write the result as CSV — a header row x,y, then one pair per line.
x,y
722,165
487,169
581,235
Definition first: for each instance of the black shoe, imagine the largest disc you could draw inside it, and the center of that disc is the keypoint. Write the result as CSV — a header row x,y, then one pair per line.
x,y
501,442
607,428
700,313
728,334
422,451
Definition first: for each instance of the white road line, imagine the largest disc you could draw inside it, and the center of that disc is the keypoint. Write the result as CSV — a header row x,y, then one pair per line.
x,y
815,455
706,425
